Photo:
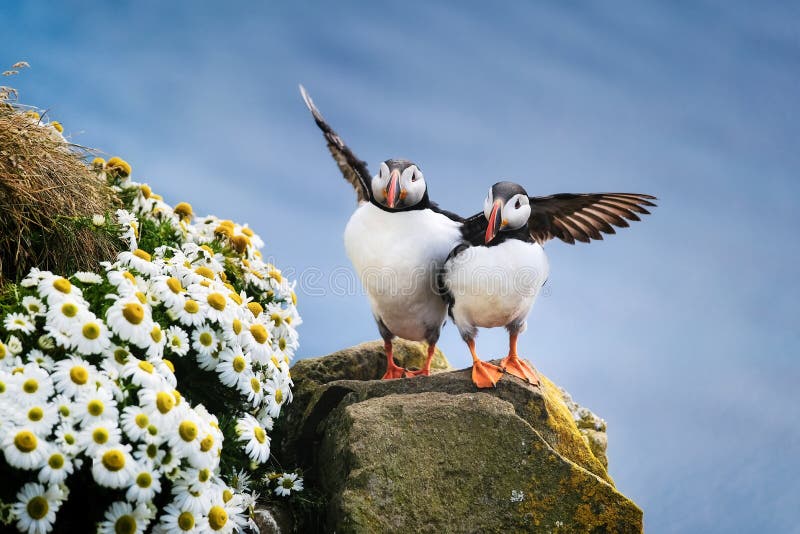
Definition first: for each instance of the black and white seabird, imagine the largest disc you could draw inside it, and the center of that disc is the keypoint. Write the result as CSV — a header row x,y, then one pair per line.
x,y
494,277
397,240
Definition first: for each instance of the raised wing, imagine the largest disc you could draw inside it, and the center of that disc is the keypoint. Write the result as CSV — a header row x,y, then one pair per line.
x,y
583,217
354,170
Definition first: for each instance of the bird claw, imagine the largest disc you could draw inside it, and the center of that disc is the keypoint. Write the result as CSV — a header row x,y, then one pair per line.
x,y
417,372
394,371
486,375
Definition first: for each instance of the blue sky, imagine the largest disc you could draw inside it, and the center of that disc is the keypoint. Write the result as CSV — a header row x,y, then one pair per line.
x,y
681,331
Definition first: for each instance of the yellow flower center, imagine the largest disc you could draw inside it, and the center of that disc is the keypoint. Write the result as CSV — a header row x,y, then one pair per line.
x,y
205,272
144,480
259,333
203,475
216,301
69,439
113,460
25,441
143,254
186,521
259,434
100,435
248,232
147,367
217,517
276,274
276,318
79,375
95,407
227,495
146,191
255,384
2,350
235,298
255,308
164,402
294,298
183,210
237,326
56,461
141,420
126,524
278,396
31,385
174,285
128,276
91,331
177,395
118,166
155,334
240,243
187,430
133,312
282,343
69,309
64,410
238,364
35,414
191,306
207,443
141,297
206,339
169,365
37,507
62,285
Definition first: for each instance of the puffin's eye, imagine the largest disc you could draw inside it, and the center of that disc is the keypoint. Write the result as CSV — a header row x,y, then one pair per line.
x,y
414,177
517,205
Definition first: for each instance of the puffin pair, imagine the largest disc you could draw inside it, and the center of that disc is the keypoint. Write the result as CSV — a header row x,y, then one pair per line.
x,y
419,262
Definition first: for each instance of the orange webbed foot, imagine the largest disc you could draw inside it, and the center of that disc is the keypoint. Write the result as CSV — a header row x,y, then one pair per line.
x,y
485,375
394,371
418,372
518,367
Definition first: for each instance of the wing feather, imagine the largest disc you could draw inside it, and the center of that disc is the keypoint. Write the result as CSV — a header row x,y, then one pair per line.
x,y
354,170
584,217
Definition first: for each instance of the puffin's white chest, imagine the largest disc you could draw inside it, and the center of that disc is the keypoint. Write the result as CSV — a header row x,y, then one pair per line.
x,y
495,286
396,255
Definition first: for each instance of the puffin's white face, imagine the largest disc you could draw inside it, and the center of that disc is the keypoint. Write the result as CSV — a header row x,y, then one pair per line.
x,y
515,212
395,189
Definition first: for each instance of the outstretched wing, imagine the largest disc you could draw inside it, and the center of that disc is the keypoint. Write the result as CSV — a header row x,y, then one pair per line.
x,y
583,217
354,170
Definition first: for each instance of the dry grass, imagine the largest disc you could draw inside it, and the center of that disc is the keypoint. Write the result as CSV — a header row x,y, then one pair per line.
x,y
48,195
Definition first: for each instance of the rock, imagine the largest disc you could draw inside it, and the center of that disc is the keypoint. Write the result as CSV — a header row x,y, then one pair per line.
x,y
272,518
590,425
433,454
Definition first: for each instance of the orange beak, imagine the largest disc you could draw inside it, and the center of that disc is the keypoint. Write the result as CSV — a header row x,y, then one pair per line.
x,y
393,190
495,221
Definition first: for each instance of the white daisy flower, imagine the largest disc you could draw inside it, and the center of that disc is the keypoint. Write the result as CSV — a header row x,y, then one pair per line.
x,y
219,307
95,405
233,367
205,340
36,507
89,335
34,356
131,321
87,277
19,322
65,313
56,469
149,453
121,517
24,449
185,439
74,375
134,422
98,435
219,521
170,291
192,313
66,439
34,277
124,281
277,392
142,373
146,483
139,260
253,389
130,227
257,444
180,519
40,418
113,467
287,483
34,385
160,406
157,342
34,306
56,288
177,340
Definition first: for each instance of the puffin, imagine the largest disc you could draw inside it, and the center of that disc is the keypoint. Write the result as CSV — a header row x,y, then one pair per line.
x,y
397,240
493,277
